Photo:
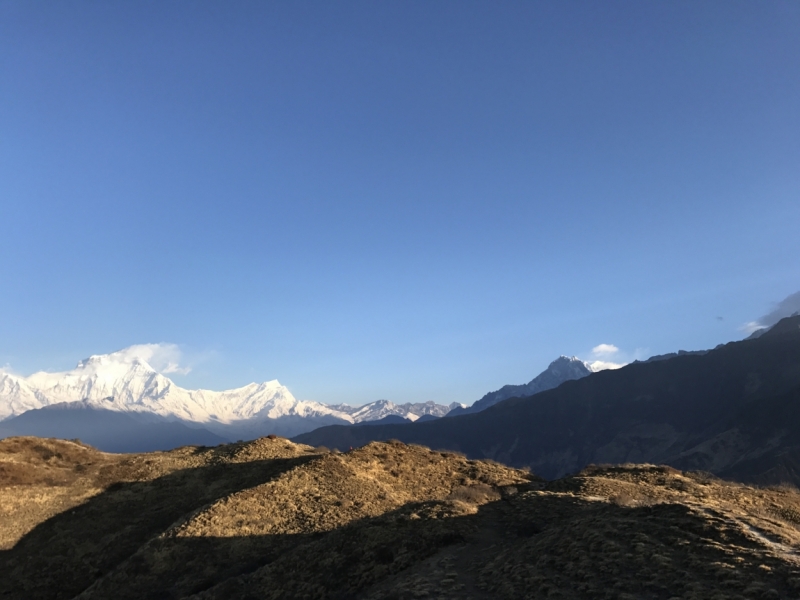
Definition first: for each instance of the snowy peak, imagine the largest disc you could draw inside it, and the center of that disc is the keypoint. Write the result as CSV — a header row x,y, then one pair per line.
x,y
380,409
131,383
567,362
16,396
564,368
125,381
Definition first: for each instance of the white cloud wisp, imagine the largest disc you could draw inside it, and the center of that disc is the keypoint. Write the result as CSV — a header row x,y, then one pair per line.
x,y
164,358
603,365
605,350
787,307
602,358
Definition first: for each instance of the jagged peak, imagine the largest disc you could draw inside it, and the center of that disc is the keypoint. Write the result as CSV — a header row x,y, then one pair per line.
x,y
382,402
570,362
564,357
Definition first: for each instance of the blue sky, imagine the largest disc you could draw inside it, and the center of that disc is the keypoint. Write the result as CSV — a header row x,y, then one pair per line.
x,y
403,200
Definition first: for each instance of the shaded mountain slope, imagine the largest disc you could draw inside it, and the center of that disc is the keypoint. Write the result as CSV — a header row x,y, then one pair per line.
x,y
731,410
272,519
107,430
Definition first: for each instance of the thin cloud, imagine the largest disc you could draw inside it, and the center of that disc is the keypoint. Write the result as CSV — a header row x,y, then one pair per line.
x,y
606,356
177,369
164,358
752,327
787,307
605,350
7,370
603,365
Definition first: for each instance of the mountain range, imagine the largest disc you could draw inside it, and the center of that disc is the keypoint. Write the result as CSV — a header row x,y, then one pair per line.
x,y
119,402
731,411
386,520
146,410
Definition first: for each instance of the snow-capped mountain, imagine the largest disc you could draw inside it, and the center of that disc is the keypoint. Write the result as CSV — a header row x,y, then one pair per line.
x,y
124,382
384,408
564,368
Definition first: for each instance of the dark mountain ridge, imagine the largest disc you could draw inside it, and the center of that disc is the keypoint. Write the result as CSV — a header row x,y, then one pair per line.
x,y
562,369
731,411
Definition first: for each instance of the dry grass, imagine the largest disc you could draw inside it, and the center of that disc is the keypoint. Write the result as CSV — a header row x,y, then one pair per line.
x,y
478,493
271,519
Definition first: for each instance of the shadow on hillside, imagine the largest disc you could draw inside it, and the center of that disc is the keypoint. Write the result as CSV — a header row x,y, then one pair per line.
x,y
64,555
584,549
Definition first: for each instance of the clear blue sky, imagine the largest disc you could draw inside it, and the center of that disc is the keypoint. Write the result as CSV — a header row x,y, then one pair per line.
x,y
403,200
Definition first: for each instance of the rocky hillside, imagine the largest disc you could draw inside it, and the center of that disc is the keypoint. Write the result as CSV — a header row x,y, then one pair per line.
x,y
273,519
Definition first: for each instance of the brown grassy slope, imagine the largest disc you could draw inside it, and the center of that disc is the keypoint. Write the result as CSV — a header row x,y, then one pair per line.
x,y
70,513
634,532
270,519
41,478
254,527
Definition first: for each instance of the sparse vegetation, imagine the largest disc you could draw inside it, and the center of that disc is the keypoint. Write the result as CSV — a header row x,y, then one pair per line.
x,y
272,519
478,493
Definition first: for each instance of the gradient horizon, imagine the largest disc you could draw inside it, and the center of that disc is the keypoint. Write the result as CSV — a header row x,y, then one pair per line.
x,y
405,200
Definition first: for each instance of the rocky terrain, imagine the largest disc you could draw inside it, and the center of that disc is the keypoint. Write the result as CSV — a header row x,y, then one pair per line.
x,y
274,519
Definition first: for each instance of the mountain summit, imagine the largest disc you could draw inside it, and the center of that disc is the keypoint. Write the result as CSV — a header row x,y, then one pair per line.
x,y
120,382
731,411
564,368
